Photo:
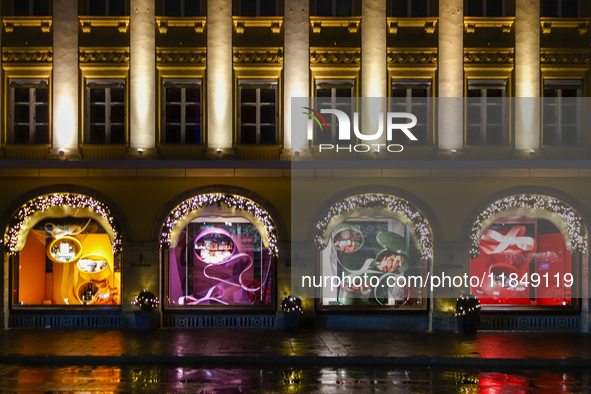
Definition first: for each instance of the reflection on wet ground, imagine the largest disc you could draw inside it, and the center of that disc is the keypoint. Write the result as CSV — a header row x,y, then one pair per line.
x,y
165,379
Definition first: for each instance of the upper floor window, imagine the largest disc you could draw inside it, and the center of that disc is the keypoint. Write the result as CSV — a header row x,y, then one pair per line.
x,y
181,8
182,111
486,113
333,94
341,8
485,8
561,8
413,96
257,114
409,8
29,111
106,7
31,7
258,7
562,112
105,111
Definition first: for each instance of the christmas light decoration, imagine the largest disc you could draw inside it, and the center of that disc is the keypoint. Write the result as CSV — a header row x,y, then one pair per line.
x,y
193,204
292,305
43,203
574,228
467,305
146,301
420,227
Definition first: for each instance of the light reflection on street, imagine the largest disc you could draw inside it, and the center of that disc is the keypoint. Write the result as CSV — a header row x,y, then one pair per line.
x,y
284,379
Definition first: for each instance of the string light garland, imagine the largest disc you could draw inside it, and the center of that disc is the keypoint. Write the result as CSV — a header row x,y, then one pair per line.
x,y
420,226
193,204
146,301
574,227
292,304
43,203
467,305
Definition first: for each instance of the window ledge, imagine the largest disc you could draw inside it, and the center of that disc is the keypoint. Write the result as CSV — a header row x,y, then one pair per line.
x,y
180,151
164,22
89,22
488,152
428,24
471,23
103,152
44,22
319,22
26,152
242,22
581,24
258,152
565,152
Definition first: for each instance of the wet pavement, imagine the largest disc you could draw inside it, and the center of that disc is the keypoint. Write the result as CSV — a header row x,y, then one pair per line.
x,y
319,347
187,379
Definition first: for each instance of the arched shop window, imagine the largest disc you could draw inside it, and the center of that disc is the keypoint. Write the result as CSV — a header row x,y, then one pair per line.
x,y
65,251
219,251
528,250
378,241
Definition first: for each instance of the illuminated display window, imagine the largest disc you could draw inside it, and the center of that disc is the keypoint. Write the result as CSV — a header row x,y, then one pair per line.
x,y
486,113
220,262
181,8
105,111
106,7
534,252
341,8
66,261
333,94
29,111
258,8
182,111
484,8
409,8
373,249
561,8
31,7
562,112
413,96
258,112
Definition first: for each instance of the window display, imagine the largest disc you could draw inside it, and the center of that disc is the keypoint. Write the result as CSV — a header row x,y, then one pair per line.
x,y
365,252
525,262
219,262
67,261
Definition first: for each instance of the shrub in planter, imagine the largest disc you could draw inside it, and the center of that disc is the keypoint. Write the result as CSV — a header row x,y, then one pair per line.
x,y
147,303
292,312
468,314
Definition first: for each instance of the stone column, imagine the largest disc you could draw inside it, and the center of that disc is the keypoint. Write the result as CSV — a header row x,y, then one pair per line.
x,y
219,77
527,75
66,106
142,82
451,74
296,68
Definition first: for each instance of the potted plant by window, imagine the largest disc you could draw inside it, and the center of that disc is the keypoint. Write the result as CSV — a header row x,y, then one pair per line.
x,y
147,302
292,312
468,314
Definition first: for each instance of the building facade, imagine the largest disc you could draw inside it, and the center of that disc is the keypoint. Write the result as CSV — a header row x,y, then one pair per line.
x,y
147,144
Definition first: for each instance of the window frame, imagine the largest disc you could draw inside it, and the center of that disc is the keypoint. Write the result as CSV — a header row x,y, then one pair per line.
x,y
107,104
32,105
184,82
257,84
484,9
334,9
561,84
183,11
410,84
333,84
31,12
258,9
108,9
409,8
560,8
479,84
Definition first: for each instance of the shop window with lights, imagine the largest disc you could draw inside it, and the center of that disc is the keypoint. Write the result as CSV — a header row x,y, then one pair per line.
x,y
66,261
182,111
484,8
107,8
562,112
257,116
333,94
409,8
220,262
486,113
31,7
338,8
181,8
105,111
258,7
414,97
561,8
29,111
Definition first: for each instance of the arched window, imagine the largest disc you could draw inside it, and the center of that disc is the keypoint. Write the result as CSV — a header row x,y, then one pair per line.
x,y
64,250
378,246
219,252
